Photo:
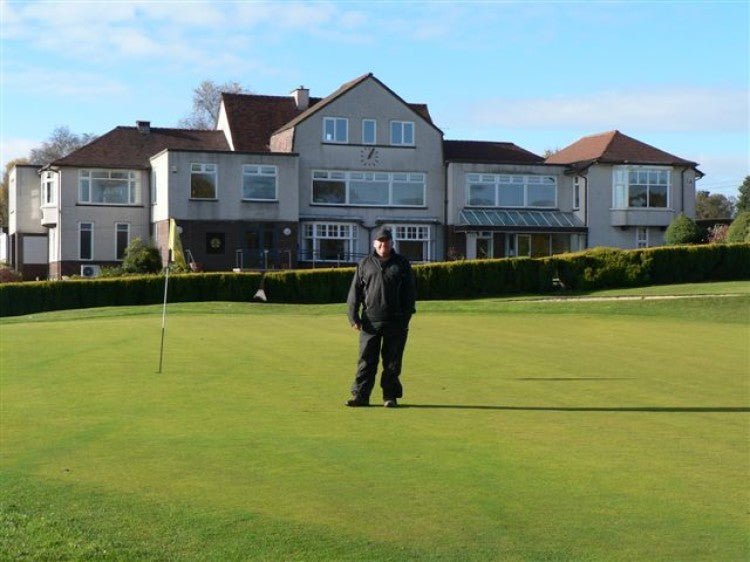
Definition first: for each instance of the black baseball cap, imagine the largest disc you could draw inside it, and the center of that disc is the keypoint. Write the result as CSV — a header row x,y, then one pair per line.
x,y
382,233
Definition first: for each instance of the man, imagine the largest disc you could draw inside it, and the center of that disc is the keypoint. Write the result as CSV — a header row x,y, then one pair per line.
x,y
381,302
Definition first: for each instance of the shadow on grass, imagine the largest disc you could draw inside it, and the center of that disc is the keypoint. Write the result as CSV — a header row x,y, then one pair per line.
x,y
666,409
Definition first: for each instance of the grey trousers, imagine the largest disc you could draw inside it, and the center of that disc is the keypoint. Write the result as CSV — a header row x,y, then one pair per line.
x,y
386,340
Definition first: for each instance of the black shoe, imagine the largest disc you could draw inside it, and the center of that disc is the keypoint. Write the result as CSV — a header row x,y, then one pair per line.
x,y
357,402
390,403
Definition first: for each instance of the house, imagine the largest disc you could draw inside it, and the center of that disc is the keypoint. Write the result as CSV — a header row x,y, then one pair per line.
x,y
301,181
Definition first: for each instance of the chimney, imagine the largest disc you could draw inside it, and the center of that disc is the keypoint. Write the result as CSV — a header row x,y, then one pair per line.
x,y
301,97
144,127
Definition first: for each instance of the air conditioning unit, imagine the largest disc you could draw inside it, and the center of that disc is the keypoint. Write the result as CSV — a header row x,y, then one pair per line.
x,y
90,270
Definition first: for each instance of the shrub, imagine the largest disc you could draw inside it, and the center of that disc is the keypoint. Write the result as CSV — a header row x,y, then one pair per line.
x,y
739,230
141,258
682,230
8,275
718,233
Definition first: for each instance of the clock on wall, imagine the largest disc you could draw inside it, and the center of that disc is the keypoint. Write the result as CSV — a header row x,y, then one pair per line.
x,y
369,156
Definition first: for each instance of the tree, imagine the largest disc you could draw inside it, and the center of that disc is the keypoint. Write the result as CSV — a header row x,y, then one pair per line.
x,y
739,230
60,143
4,189
206,103
713,206
682,230
743,201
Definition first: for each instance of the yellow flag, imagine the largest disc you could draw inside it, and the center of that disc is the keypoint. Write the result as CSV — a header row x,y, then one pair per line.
x,y
175,245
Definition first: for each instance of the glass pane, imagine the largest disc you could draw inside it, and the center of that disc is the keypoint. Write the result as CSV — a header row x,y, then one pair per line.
x,y
482,194
638,196
110,191
408,133
329,192
408,194
657,196
560,243
259,187
202,186
368,193
484,248
332,249
396,136
541,196
412,250
368,132
539,245
511,195
524,245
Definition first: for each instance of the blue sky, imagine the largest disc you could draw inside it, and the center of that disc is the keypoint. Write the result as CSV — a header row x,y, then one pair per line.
x,y
673,74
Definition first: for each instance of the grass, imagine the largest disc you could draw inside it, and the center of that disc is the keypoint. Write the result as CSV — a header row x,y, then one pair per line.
x,y
530,430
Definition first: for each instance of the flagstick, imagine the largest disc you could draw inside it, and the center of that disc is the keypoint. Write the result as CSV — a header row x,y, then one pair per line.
x,y
164,312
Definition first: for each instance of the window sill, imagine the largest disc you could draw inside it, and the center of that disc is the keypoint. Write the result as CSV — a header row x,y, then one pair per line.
x,y
259,200
204,199
131,205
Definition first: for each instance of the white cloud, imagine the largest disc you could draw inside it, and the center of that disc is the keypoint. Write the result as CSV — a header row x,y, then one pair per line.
x,y
12,148
674,110
66,83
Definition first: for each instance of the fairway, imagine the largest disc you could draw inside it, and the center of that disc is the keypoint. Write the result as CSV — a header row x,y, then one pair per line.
x,y
529,430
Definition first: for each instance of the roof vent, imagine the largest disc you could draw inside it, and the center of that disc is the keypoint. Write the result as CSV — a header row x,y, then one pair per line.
x,y
301,97
144,127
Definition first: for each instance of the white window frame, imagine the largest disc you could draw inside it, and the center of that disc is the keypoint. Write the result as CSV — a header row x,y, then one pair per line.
x,y
350,178
403,233
118,229
86,227
621,186
87,177
205,169
398,133
260,171
317,231
339,130
49,191
641,237
497,181
366,122
577,193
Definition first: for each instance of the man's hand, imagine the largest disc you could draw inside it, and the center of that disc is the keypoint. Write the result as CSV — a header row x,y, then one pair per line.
x,y
357,326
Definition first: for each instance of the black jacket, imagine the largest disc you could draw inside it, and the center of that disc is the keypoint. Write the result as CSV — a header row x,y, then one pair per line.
x,y
382,291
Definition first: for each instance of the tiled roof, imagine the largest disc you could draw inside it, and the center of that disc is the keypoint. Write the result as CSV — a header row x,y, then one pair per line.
x,y
613,147
520,219
481,151
127,147
252,118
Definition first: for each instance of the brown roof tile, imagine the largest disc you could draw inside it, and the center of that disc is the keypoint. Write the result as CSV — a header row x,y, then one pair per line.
x,y
613,147
483,151
127,147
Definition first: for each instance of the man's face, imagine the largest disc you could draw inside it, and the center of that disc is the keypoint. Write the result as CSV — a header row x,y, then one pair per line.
x,y
383,247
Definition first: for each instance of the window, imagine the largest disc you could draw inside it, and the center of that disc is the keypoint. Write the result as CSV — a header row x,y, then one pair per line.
x,y
335,129
259,183
329,242
498,190
203,181
412,241
122,239
369,131
538,245
85,240
109,187
383,189
641,237
577,193
637,186
153,187
48,188
402,133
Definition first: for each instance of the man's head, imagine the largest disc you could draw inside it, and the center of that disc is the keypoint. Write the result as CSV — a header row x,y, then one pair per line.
x,y
383,242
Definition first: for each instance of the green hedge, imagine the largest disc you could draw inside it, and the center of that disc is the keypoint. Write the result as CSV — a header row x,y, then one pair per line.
x,y
598,268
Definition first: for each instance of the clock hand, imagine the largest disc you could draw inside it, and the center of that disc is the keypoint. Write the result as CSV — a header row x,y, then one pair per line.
x,y
372,151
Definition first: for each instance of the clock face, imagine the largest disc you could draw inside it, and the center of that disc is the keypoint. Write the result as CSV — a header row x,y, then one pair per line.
x,y
369,156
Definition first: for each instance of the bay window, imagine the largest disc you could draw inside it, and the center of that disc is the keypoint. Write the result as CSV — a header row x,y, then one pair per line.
x,y
640,186
329,241
412,241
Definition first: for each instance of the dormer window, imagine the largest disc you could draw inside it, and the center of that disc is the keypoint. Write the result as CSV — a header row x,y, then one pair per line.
x,y
336,129
402,133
